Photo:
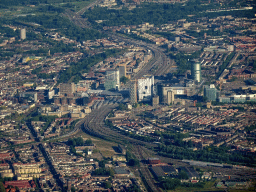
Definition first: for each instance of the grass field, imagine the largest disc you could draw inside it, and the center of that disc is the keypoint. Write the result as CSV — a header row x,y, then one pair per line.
x,y
209,186
20,10
82,4
104,147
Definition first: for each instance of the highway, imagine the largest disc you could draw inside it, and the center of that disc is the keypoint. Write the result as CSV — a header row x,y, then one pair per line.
x,y
81,12
159,65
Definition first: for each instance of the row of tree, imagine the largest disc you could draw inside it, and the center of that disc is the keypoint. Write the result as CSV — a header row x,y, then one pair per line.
x,y
62,24
32,2
208,154
78,141
158,14
173,183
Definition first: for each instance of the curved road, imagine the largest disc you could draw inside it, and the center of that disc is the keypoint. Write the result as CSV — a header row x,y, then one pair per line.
x,y
94,124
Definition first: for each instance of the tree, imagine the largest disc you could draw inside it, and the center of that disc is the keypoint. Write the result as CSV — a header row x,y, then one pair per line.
x,y
183,175
124,79
2,188
133,162
76,141
135,105
73,189
170,184
107,185
71,142
102,163
79,141
88,142
122,107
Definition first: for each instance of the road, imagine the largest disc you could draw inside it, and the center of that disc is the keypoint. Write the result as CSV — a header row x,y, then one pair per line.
x,y
94,125
159,65
46,156
81,12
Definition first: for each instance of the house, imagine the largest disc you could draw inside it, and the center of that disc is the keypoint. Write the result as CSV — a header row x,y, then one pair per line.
x,y
26,184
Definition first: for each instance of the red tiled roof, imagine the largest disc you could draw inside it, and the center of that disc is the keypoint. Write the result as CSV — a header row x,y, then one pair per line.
x,y
5,156
20,184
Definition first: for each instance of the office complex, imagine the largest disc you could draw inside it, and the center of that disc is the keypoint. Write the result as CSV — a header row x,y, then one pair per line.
x,y
145,88
210,92
112,79
29,96
67,89
168,93
237,98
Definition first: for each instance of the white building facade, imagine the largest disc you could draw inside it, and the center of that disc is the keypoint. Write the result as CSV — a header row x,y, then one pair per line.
x,y
146,88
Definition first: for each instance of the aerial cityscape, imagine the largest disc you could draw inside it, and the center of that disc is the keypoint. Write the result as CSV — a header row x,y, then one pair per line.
x,y
127,95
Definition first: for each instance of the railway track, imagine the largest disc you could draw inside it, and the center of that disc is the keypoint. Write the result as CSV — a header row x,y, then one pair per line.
x,y
94,124
145,173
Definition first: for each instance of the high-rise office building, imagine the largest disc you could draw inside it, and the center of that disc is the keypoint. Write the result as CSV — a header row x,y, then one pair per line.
x,y
196,71
67,89
133,92
210,92
122,70
112,79
23,34
145,88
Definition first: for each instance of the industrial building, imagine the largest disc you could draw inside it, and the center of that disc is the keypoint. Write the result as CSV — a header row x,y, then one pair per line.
x,y
192,174
164,171
153,160
112,79
145,88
